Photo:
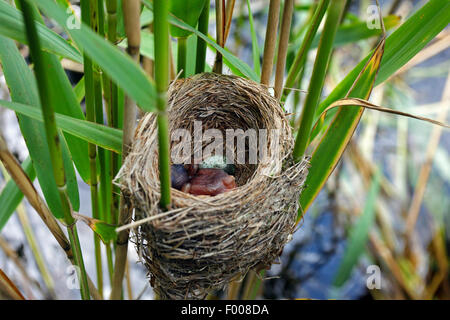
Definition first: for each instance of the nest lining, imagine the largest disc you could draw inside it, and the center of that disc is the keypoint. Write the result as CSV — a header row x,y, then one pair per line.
x,y
204,242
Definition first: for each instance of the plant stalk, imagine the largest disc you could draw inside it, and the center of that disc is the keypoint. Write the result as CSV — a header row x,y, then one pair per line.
x,y
53,140
229,8
111,95
318,77
31,239
203,23
302,53
131,10
220,32
283,46
181,57
270,41
27,188
89,13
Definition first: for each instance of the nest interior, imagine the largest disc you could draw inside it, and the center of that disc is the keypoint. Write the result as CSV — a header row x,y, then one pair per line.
x,y
203,242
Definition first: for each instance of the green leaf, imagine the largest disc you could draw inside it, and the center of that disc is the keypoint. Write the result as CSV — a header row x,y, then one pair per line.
x,y
334,141
351,33
63,98
65,102
238,64
120,20
103,136
12,26
11,196
189,12
146,17
297,66
403,44
191,55
232,59
106,232
79,90
23,89
255,47
400,47
203,24
358,234
118,66
317,81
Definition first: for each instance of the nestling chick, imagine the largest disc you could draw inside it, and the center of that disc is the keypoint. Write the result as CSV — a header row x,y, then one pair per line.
x,y
210,182
179,176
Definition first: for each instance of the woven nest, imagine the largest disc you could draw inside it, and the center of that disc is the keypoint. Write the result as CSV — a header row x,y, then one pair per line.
x,y
204,242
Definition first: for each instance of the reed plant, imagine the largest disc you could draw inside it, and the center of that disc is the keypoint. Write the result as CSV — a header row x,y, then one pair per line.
x,y
300,41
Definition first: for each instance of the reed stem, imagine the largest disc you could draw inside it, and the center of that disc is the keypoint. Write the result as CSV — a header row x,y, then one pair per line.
x,y
270,41
89,14
131,10
112,96
203,23
161,29
181,57
318,77
53,140
300,58
229,8
31,239
220,30
27,188
283,46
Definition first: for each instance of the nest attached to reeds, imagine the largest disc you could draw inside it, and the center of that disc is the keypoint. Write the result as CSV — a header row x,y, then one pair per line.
x,y
204,242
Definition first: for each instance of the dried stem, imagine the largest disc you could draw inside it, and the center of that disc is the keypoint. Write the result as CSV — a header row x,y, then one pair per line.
x,y
220,28
270,41
283,46
111,97
31,239
27,188
8,289
425,170
228,17
161,27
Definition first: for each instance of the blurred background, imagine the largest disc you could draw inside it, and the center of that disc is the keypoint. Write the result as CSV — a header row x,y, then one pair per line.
x,y
364,237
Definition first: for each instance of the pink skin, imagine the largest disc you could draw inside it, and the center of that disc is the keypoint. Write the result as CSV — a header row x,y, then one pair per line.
x,y
210,182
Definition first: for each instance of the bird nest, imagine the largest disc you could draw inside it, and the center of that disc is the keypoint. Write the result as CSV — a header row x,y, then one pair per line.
x,y
203,242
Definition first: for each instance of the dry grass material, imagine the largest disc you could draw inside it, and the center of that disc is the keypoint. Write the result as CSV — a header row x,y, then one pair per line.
x,y
203,242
